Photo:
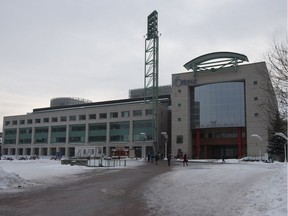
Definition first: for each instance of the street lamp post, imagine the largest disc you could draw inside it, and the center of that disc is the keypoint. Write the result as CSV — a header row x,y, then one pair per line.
x,y
165,135
144,135
284,137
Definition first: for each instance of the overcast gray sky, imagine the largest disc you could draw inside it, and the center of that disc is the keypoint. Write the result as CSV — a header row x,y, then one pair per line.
x,y
94,49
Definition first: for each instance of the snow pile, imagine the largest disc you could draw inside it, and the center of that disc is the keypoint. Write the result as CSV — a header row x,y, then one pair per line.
x,y
10,180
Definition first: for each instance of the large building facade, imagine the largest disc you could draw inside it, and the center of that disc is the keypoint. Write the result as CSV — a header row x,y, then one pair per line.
x,y
210,111
86,129
216,107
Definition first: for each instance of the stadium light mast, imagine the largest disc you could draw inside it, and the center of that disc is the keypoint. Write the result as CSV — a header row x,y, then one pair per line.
x,y
152,67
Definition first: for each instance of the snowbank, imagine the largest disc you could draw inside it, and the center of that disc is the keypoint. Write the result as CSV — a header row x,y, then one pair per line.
x,y
27,173
10,180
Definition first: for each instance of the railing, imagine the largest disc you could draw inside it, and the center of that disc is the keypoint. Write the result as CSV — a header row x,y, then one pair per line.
x,y
100,162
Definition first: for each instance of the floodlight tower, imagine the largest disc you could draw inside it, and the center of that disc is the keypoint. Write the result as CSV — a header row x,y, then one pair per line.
x,y
151,67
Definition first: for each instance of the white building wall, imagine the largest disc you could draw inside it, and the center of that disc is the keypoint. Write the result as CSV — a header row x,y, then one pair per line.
x,y
76,111
254,124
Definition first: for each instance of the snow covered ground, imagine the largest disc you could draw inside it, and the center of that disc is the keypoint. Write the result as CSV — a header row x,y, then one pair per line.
x,y
22,174
234,188
237,188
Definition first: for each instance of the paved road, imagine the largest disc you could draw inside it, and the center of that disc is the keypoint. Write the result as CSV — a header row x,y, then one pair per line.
x,y
106,193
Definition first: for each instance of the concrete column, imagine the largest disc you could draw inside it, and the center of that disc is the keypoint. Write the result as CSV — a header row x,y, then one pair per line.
x,y
143,151
198,148
49,135
240,144
86,134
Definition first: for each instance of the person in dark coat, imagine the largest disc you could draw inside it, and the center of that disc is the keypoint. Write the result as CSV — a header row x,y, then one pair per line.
x,y
156,159
185,160
223,159
169,159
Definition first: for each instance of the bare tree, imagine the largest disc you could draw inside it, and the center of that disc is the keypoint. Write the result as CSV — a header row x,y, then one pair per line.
x,y
277,60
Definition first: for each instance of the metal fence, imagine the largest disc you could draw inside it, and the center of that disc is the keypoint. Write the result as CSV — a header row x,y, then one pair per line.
x,y
100,162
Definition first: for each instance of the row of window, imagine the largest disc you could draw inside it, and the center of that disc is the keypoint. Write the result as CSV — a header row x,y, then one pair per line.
x,y
97,132
123,114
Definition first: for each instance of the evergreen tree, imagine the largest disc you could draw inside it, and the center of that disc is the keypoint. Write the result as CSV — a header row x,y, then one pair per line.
x,y
276,144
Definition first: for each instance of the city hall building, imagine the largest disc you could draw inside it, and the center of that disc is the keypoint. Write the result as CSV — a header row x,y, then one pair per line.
x,y
209,111
216,107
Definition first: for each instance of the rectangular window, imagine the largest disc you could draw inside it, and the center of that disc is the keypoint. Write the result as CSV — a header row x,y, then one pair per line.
x,y
97,132
82,117
255,98
45,120
38,120
114,115
142,130
54,119
29,121
148,112
14,122
137,113
125,114
7,123
41,135
58,134
72,118
22,122
179,139
256,114
119,131
63,118
92,116
10,132
255,82
77,128
41,130
10,136
25,135
58,129
103,115
77,133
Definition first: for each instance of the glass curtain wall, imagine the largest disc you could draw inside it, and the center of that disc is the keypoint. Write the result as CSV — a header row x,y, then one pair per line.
x,y
218,105
41,135
217,113
97,132
119,131
77,133
58,134
142,128
25,135
10,136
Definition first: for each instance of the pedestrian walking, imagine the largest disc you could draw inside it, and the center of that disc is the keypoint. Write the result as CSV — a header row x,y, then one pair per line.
x,y
156,159
223,159
169,159
185,160
152,158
